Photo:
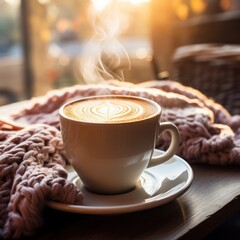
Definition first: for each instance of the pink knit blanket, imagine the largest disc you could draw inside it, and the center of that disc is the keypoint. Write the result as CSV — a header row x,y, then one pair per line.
x,y
32,156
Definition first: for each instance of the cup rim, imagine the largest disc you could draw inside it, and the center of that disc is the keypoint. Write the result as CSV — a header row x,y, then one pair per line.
x,y
158,107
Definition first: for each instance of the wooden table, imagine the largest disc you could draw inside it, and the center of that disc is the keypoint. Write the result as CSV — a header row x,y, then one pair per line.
x,y
213,197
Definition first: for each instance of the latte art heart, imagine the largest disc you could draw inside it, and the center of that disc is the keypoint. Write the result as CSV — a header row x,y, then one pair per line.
x,y
109,110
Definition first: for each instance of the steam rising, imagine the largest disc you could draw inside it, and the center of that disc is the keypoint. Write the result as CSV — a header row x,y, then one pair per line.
x,y
105,53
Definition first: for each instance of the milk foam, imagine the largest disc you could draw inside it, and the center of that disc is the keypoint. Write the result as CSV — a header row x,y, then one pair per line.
x,y
110,110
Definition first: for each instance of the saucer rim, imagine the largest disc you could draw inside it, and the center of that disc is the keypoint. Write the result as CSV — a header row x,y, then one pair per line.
x,y
121,209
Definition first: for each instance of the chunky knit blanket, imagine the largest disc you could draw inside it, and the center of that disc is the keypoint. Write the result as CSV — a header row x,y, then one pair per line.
x,y
32,156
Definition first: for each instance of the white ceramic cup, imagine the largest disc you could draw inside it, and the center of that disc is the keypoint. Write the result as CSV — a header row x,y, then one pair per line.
x,y
110,157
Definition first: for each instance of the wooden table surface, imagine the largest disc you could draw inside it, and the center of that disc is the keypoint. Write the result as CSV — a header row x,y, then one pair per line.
x,y
213,197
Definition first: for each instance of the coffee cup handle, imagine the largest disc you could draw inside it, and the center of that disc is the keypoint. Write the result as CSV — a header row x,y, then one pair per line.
x,y
161,156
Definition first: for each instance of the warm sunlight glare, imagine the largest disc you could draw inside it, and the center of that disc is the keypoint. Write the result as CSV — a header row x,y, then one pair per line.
x,y
12,2
136,1
43,1
182,11
99,5
198,6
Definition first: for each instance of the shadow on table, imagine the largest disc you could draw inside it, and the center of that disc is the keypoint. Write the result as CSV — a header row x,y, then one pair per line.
x,y
138,225
228,230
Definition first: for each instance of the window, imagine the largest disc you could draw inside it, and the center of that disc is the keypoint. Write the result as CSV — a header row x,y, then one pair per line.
x,y
70,42
11,61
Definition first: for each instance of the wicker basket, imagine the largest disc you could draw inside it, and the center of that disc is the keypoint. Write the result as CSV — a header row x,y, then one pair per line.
x,y
213,69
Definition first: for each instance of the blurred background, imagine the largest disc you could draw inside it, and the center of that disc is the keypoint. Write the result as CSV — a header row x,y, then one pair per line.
x,y
49,44
42,43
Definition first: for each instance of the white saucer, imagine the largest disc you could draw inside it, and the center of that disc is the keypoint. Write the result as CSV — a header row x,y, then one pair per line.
x,y
158,185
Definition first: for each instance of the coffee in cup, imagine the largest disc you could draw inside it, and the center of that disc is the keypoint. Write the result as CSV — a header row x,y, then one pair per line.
x,y
109,140
109,110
